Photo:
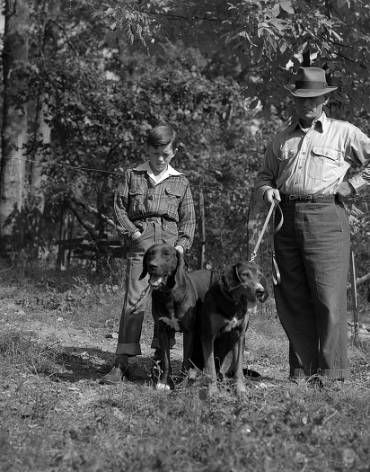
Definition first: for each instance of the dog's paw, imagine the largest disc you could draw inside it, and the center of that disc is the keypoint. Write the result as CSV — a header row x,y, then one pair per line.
x,y
162,386
212,389
192,375
241,389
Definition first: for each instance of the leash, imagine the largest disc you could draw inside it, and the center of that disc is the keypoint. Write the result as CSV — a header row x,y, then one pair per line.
x,y
147,289
276,277
271,213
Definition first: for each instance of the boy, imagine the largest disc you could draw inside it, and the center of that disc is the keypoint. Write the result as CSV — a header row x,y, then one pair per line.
x,y
152,204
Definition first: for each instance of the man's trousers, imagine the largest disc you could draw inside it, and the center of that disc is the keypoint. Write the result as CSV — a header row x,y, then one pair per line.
x,y
312,251
135,307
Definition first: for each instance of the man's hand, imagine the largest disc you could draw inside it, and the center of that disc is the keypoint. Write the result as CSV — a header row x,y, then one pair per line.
x,y
179,249
344,191
272,194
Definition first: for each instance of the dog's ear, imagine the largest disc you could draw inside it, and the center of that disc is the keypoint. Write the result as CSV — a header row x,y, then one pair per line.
x,y
180,269
177,276
145,263
228,277
235,273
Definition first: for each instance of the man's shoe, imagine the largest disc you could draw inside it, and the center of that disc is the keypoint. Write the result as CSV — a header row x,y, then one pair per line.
x,y
113,377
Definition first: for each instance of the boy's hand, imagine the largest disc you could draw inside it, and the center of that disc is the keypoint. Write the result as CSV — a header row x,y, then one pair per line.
x,y
179,249
136,235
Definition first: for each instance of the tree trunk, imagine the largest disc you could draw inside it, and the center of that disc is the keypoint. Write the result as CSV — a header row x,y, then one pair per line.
x,y
42,136
14,126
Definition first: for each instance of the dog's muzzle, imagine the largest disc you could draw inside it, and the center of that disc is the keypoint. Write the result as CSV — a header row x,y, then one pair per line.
x,y
260,293
156,281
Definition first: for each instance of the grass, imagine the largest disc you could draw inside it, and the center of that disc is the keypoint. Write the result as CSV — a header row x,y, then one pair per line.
x,y
56,417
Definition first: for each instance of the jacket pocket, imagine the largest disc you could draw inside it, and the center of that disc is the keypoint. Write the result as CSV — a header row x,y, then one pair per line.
x,y
136,203
172,201
325,164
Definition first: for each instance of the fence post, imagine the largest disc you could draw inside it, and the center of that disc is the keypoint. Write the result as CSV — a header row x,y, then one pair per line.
x,y
203,227
354,299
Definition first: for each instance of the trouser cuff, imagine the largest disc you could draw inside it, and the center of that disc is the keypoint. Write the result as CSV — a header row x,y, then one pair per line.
x,y
155,343
131,349
297,373
335,374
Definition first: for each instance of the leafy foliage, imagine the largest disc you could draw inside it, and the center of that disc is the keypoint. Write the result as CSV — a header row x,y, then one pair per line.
x,y
111,70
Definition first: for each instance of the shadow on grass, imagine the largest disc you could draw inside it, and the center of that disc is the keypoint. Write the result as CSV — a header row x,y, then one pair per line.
x,y
93,364
81,364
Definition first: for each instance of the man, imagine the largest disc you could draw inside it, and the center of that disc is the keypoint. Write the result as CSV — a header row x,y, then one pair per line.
x,y
152,204
305,169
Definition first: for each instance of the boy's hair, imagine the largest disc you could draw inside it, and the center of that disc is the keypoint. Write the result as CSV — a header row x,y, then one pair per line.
x,y
161,135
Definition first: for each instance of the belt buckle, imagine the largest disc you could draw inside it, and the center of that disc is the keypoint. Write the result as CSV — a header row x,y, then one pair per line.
x,y
292,197
308,197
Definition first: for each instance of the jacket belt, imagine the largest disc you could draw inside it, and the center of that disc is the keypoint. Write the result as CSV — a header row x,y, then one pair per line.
x,y
151,219
308,198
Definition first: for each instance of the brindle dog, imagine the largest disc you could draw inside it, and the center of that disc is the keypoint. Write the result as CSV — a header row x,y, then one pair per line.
x,y
225,319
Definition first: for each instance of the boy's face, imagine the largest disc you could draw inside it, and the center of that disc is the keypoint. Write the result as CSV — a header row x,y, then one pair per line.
x,y
160,157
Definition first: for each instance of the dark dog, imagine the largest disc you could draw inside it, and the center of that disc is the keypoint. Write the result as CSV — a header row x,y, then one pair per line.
x,y
225,318
177,299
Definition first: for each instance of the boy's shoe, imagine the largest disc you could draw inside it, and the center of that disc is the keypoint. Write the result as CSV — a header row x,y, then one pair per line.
x,y
113,377
116,374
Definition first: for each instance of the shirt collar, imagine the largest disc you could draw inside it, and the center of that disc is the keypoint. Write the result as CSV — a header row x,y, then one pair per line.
x,y
319,124
157,178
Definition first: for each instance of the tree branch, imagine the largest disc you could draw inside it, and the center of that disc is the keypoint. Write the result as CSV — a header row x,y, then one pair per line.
x,y
86,226
93,210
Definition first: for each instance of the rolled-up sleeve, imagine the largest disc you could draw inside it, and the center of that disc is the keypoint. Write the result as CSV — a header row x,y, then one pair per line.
x,y
266,177
186,226
358,153
121,196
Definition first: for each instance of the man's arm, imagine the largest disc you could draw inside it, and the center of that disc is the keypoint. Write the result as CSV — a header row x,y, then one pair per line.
x,y
186,226
358,152
126,226
358,155
266,178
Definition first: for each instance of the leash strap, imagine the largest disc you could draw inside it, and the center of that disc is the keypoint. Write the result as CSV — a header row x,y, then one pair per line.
x,y
276,277
146,290
259,240
272,212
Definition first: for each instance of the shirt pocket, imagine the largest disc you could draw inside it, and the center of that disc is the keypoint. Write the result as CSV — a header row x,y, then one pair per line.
x,y
325,164
172,196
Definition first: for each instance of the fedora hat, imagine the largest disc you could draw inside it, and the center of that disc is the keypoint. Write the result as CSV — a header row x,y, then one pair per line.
x,y
310,82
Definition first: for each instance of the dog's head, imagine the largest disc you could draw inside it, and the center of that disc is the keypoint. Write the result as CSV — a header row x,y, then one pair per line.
x,y
245,281
163,264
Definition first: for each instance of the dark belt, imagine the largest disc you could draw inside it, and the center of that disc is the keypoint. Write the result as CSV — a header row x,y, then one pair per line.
x,y
308,198
152,219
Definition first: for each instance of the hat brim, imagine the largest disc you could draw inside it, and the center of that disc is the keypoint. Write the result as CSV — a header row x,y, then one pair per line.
x,y
309,93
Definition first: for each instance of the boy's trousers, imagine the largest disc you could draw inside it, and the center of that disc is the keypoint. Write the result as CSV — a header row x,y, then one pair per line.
x,y
133,313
